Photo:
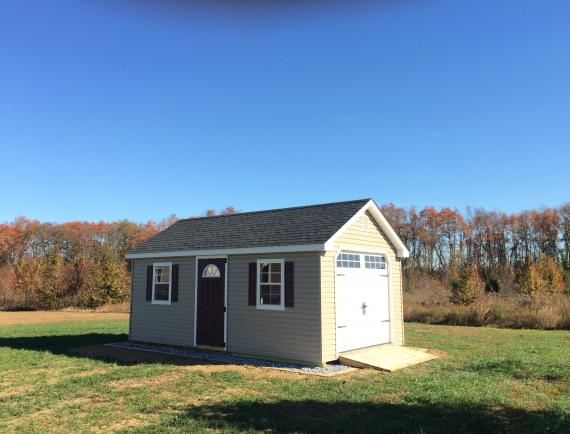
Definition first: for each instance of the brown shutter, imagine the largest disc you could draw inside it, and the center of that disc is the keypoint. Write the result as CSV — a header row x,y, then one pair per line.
x,y
174,294
289,284
252,284
149,283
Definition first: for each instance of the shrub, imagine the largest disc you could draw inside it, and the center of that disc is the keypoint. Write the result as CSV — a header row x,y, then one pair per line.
x,y
28,280
8,295
51,290
112,283
542,276
468,287
426,288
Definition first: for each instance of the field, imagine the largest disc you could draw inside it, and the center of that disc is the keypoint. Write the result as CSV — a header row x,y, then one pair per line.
x,y
491,380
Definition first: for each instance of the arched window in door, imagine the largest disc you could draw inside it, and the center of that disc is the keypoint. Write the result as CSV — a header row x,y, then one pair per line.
x,y
211,270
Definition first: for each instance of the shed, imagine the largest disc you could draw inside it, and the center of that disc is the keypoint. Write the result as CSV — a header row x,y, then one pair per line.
x,y
301,284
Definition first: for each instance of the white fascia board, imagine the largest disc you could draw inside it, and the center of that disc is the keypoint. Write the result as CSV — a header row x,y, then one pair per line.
x,y
234,251
401,250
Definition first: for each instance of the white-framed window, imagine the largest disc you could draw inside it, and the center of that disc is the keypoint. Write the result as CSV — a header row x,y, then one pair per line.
x,y
161,282
374,262
348,260
270,284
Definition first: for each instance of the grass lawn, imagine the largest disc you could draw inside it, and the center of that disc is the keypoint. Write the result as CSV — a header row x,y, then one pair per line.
x,y
493,380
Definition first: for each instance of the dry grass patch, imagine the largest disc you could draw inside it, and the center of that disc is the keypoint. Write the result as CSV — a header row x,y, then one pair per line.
x,y
133,422
155,381
11,391
38,317
546,311
116,307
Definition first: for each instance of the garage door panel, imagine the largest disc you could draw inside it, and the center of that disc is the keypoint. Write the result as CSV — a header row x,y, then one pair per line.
x,y
362,304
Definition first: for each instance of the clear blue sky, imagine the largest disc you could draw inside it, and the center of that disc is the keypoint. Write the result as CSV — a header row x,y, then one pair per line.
x,y
139,109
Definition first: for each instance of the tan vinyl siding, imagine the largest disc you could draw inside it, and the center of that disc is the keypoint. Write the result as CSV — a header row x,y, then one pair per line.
x,y
357,235
294,333
166,324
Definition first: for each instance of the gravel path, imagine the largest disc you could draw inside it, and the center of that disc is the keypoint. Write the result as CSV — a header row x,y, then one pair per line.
x,y
328,370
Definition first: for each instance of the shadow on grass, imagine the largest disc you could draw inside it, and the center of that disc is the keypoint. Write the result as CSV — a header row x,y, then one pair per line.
x,y
60,344
92,346
349,417
517,369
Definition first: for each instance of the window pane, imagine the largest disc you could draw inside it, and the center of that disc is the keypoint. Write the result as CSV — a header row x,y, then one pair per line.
x,y
375,262
162,274
348,260
264,277
161,291
264,294
270,294
264,268
276,277
276,294
276,267
276,299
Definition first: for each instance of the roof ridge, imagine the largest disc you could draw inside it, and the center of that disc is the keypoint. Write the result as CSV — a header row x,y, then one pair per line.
x,y
276,209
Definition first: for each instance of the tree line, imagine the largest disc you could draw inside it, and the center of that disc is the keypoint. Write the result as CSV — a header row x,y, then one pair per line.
x,y
49,266
486,251
73,264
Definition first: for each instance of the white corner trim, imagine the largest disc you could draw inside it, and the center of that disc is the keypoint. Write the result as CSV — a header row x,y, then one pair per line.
x,y
401,250
233,251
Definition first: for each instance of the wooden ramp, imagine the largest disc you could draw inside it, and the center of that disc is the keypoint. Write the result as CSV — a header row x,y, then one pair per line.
x,y
386,357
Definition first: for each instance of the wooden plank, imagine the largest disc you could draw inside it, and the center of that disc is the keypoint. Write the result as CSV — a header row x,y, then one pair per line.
x,y
386,357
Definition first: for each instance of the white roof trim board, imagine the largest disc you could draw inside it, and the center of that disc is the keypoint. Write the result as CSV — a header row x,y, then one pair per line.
x,y
232,251
370,206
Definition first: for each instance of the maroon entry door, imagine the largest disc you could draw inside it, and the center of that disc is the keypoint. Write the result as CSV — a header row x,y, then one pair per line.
x,y
210,309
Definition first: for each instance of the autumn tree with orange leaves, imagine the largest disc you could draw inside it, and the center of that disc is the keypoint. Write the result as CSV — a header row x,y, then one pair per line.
x,y
51,266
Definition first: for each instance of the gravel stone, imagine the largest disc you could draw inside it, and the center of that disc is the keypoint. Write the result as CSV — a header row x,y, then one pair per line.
x,y
328,370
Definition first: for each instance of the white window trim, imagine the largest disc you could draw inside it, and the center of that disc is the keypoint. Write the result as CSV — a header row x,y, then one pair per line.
x,y
162,264
258,281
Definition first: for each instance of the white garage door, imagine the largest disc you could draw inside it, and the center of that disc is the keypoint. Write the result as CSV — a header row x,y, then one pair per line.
x,y
362,301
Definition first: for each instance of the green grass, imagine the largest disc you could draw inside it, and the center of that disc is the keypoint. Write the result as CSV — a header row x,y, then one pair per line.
x,y
491,381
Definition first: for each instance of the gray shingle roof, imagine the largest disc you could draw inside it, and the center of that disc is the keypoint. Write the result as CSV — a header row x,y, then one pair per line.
x,y
313,224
